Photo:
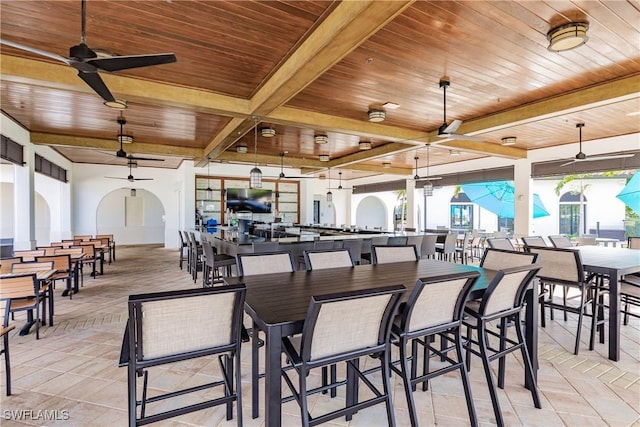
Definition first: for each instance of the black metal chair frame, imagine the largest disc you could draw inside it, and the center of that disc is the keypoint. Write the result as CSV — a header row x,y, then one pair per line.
x,y
488,353
132,356
4,331
302,363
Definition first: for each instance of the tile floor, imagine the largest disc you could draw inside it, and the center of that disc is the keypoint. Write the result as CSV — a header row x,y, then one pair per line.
x,y
71,373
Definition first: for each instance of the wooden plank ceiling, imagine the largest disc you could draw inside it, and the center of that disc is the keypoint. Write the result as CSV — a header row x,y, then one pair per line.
x,y
307,68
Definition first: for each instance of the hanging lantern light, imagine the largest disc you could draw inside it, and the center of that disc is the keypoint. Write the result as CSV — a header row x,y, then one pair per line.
x,y
208,193
255,175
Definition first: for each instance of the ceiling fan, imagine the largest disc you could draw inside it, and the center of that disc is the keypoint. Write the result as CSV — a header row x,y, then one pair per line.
x,y
130,178
282,174
339,187
417,177
449,130
581,157
122,137
88,63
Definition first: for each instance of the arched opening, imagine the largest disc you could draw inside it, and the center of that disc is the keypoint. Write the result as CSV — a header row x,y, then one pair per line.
x,y
371,213
572,213
461,212
42,215
132,219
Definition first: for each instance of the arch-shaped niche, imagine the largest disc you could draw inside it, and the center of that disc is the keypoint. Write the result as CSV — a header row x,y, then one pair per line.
x,y
42,217
131,219
371,213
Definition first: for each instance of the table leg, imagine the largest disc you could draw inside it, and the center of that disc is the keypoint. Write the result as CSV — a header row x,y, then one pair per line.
x,y
614,316
27,326
531,329
273,382
101,262
255,373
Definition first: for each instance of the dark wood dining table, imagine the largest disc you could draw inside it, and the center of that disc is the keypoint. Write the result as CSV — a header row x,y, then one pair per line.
x,y
613,263
278,305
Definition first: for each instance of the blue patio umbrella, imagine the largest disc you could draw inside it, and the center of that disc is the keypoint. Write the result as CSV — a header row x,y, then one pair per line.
x,y
499,197
630,194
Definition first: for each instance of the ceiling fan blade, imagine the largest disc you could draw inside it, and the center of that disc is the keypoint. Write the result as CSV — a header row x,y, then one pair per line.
x,y
116,177
116,63
95,82
568,163
148,159
49,55
605,157
143,179
428,178
465,137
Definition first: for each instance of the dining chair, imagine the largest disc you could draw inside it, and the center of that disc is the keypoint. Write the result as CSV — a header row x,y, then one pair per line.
x,y
319,259
396,240
394,253
416,241
560,241
477,246
502,301
501,243
447,249
633,242
464,251
90,257
498,259
111,243
23,293
28,255
428,248
64,269
250,264
195,257
168,327
354,246
534,241
82,237
45,286
629,296
323,244
4,333
563,267
434,309
586,241
342,328
183,248
48,250
6,263
76,253
213,262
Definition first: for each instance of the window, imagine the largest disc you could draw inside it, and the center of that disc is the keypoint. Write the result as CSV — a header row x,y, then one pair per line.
x,y
461,212
570,213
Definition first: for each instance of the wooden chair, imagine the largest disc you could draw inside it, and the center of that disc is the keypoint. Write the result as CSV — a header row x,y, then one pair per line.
x,y
503,301
64,269
112,245
4,333
434,309
23,293
328,258
633,242
83,237
6,263
76,255
394,253
48,250
341,328
45,286
90,257
169,327
28,255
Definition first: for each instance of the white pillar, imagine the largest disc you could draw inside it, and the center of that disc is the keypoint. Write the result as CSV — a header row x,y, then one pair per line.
x,y
523,224
411,203
23,194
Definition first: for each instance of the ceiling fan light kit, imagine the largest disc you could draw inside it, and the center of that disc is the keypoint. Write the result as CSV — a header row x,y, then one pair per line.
x,y
364,145
508,140
268,132
567,36
125,139
320,139
117,104
376,115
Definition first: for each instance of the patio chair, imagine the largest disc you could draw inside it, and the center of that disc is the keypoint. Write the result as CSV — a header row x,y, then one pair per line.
x,y
354,246
183,247
416,241
342,328
499,259
6,263
328,258
633,242
503,301
629,296
394,253
29,255
396,240
111,244
428,249
433,309
447,249
169,327
260,247
64,269
534,241
213,262
4,333
250,264
586,241
501,243
23,293
464,251
560,241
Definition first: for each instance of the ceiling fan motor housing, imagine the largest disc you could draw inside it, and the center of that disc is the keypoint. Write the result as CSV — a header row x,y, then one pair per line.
x,y
82,51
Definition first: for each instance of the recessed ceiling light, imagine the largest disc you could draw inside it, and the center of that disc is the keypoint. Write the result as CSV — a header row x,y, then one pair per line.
x,y
391,105
509,140
323,157
454,152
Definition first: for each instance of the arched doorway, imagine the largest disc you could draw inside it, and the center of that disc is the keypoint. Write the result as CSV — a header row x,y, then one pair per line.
x,y
371,213
42,215
573,213
132,218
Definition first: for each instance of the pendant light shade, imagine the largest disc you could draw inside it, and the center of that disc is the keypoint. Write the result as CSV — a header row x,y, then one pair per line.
x,y
255,175
329,196
428,186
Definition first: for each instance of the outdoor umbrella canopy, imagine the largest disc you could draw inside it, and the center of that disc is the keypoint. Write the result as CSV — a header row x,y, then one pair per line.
x,y
630,194
499,197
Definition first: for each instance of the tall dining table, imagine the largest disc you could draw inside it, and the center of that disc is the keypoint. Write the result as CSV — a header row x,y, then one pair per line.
x,y
278,305
613,263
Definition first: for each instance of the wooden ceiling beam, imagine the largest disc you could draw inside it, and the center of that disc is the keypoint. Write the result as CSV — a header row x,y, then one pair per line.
x,y
274,161
111,145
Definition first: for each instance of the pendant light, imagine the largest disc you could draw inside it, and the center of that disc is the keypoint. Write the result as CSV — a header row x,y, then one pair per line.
x,y
428,186
329,193
208,193
255,175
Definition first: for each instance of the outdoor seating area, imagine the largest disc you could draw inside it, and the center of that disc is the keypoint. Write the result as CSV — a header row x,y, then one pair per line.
x,y
84,346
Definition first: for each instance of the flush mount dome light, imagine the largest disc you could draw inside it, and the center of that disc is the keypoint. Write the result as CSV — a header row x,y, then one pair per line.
x,y
509,140
364,145
116,104
377,116
323,157
567,37
242,149
125,139
268,132
321,139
